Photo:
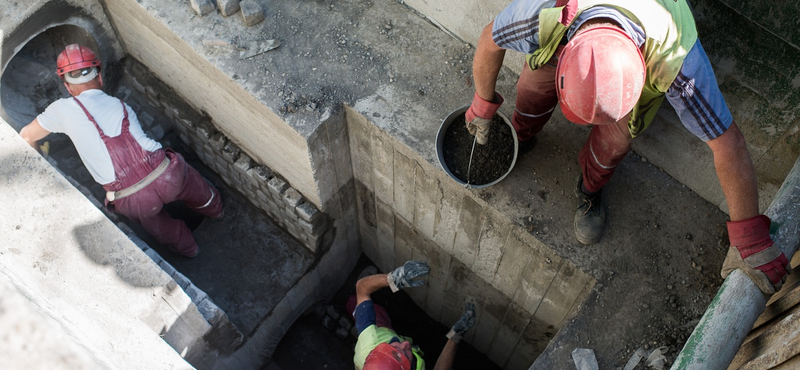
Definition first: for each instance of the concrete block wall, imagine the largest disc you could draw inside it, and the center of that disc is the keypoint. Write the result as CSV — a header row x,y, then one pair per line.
x,y
265,188
409,209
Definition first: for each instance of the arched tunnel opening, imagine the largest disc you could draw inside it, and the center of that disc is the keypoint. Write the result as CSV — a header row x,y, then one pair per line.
x,y
247,260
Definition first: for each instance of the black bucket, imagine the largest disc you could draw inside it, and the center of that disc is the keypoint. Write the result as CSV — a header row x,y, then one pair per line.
x,y
440,140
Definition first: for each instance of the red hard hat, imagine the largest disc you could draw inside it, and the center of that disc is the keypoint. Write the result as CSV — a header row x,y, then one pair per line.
x,y
76,57
600,76
386,357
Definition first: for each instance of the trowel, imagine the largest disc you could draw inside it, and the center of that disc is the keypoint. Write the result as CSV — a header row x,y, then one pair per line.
x,y
247,49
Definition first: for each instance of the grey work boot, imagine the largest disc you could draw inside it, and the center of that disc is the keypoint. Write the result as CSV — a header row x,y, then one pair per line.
x,y
590,218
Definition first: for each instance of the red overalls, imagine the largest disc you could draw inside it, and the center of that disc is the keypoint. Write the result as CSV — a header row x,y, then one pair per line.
x,y
179,182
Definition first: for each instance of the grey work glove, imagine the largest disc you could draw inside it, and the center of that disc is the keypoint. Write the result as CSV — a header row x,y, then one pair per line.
x,y
753,251
463,324
402,277
479,127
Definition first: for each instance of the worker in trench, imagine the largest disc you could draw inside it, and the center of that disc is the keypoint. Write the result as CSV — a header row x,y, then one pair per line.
x,y
609,65
140,176
379,347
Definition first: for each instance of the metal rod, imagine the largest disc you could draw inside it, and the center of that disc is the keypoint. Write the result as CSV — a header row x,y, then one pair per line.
x,y
469,165
730,317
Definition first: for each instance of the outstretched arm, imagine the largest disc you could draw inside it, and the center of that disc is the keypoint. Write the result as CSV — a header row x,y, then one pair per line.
x,y
486,64
368,285
33,132
736,173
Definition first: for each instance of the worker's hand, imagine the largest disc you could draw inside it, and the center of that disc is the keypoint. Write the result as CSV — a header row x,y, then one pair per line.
x,y
402,277
753,252
479,116
463,324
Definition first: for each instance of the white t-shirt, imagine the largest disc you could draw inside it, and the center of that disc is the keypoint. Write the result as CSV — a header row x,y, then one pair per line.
x,y
65,115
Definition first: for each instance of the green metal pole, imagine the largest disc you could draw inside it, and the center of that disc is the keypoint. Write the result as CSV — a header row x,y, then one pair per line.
x,y
738,303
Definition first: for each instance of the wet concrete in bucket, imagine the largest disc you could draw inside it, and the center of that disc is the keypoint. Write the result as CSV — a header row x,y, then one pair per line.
x,y
477,164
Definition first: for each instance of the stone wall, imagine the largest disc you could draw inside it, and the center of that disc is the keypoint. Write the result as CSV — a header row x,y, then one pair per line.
x,y
265,188
409,209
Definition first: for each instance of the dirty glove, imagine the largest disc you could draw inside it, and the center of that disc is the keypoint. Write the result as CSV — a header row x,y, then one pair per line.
x,y
463,324
45,149
479,116
402,277
753,252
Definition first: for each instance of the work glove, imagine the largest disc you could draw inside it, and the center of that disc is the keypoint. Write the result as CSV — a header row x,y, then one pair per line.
x,y
45,149
753,252
479,116
402,277
463,324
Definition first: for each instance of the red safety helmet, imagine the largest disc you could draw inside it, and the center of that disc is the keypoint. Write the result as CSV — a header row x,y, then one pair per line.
x,y
600,76
76,57
386,357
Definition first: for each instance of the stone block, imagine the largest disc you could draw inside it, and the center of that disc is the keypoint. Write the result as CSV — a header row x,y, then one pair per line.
x,y
153,255
251,12
494,235
514,261
217,142
445,229
167,267
383,175
261,174
181,280
361,147
568,289
243,163
209,310
536,279
533,341
508,334
277,186
202,7
195,293
385,235
308,212
145,119
403,182
427,200
292,198
470,222
230,152
227,7
439,262
156,133
204,132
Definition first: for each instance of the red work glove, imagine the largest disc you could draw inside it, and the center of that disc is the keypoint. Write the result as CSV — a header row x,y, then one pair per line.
x,y
753,252
479,116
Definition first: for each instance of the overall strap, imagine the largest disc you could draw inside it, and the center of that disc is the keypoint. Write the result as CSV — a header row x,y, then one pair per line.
x,y
91,118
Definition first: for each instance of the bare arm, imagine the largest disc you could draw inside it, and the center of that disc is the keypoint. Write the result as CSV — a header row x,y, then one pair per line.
x,y
448,355
368,285
736,173
486,64
33,132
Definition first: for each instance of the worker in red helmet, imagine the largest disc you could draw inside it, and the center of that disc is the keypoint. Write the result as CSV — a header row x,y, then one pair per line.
x,y
139,176
379,347
609,65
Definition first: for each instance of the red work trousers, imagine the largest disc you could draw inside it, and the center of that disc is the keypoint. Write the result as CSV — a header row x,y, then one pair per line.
x,y
607,145
179,182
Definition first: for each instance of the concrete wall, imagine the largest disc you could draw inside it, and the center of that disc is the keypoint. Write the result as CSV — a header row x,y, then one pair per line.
x,y
409,209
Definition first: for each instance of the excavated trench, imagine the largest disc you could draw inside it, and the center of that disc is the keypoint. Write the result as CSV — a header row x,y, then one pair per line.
x,y
247,260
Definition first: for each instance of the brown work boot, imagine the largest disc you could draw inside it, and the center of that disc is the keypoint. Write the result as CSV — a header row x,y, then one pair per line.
x,y
590,218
